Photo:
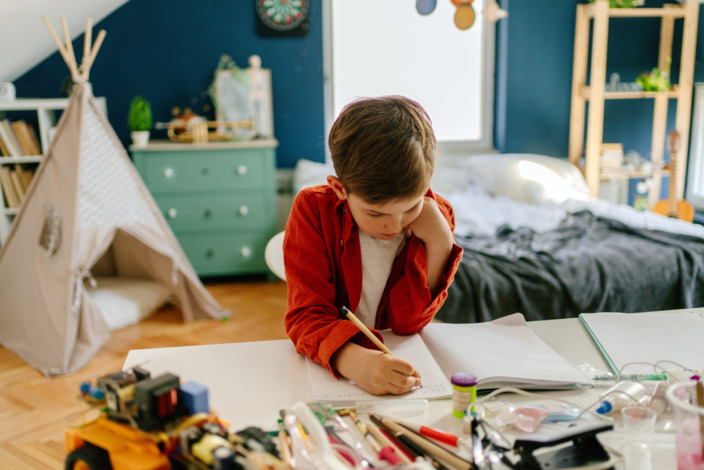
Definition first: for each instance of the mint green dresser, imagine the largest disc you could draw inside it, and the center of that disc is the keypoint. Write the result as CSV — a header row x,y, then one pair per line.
x,y
219,199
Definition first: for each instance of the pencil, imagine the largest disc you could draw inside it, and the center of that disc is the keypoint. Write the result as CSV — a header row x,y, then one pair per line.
x,y
434,450
699,387
363,328
284,448
386,442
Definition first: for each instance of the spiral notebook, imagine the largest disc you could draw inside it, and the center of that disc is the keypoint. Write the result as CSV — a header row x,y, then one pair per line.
x,y
504,352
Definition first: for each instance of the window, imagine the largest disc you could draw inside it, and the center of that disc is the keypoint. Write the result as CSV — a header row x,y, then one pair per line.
x,y
695,172
380,47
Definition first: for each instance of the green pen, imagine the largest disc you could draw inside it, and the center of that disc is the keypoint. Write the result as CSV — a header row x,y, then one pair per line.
x,y
633,377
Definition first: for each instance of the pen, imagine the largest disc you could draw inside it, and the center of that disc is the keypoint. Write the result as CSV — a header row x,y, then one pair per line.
x,y
363,328
436,434
633,377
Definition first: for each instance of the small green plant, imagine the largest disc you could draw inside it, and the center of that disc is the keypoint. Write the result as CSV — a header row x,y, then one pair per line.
x,y
139,117
656,79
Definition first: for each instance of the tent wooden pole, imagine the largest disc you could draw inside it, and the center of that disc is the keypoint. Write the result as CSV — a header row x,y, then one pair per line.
x,y
87,40
94,52
59,44
69,49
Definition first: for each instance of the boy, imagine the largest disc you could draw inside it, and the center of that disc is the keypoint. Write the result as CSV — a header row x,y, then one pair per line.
x,y
375,239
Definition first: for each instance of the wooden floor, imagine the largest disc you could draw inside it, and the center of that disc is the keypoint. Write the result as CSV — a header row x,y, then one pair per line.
x,y
34,410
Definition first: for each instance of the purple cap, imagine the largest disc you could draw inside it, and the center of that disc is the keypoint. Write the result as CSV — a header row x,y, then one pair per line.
x,y
463,379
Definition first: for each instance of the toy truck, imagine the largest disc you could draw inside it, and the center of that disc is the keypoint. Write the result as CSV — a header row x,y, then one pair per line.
x,y
158,423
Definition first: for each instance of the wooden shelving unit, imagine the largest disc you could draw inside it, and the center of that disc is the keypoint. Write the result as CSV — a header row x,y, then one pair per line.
x,y
594,92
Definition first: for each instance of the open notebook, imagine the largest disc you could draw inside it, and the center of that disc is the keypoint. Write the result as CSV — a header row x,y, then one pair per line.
x,y
504,352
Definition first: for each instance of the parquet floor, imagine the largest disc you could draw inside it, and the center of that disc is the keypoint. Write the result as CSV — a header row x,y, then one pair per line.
x,y
34,410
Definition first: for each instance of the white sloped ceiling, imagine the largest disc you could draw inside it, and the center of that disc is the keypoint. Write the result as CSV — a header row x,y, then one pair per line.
x,y
25,40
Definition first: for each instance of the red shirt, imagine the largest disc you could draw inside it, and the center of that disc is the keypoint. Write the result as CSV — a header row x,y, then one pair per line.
x,y
323,266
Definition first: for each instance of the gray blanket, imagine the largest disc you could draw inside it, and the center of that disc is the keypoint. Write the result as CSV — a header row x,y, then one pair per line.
x,y
587,264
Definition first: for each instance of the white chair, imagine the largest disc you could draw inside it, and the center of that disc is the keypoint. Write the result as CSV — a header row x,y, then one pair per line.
x,y
274,255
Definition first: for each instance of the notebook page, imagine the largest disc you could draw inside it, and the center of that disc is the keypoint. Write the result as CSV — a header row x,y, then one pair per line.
x,y
326,388
501,352
648,337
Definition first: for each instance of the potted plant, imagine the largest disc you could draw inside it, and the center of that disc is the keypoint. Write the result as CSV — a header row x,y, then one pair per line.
x,y
139,120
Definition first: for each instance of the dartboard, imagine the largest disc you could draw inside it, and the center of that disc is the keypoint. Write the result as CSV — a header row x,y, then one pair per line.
x,y
283,16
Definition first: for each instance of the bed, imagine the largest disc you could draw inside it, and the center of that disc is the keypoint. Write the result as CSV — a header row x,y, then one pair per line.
x,y
535,242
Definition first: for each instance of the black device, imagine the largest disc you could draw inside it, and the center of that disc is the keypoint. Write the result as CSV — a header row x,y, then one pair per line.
x,y
584,449
158,401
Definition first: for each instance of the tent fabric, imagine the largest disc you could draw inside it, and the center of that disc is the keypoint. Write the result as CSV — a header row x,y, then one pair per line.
x,y
86,202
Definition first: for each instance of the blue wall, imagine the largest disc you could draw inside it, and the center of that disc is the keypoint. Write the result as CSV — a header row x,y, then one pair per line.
x,y
168,50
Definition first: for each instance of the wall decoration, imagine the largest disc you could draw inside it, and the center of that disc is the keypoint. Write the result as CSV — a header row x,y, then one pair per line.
x,y
464,15
282,17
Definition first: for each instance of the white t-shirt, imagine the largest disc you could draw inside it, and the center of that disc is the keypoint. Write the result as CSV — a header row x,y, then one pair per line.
x,y
377,259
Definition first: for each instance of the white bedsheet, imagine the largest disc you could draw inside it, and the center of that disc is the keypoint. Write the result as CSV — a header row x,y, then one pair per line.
x,y
480,213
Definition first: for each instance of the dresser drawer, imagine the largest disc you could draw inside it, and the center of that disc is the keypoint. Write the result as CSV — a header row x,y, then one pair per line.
x,y
211,171
216,212
213,255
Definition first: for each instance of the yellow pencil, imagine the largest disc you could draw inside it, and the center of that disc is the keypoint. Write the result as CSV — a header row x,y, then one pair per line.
x,y
363,328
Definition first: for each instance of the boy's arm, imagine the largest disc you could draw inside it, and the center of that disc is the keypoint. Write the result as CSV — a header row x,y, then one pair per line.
x,y
435,233
419,281
311,248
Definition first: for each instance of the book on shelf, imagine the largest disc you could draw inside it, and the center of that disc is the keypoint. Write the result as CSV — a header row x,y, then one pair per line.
x,y
18,185
8,188
611,156
4,151
9,138
503,352
26,173
26,138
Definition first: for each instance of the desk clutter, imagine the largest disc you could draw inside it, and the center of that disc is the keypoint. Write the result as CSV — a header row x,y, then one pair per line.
x,y
161,422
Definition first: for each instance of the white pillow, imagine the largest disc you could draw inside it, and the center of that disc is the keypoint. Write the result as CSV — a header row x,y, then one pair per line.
x,y
309,173
527,177
124,301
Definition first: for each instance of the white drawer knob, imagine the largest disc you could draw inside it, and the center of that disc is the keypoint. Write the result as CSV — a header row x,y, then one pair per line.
x,y
244,210
168,172
172,213
246,252
241,170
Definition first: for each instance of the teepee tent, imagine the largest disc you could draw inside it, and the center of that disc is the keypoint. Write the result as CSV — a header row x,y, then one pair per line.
x,y
86,209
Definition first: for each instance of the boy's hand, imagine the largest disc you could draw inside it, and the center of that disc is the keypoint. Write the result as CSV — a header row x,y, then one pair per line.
x,y
432,228
374,371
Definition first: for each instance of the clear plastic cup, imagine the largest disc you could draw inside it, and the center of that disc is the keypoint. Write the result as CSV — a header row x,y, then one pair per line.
x,y
638,419
689,423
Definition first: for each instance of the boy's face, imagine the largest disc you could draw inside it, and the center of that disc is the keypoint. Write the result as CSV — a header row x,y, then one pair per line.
x,y
383,220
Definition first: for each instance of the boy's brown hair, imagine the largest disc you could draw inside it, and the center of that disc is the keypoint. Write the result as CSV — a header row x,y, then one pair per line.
x,y
383,148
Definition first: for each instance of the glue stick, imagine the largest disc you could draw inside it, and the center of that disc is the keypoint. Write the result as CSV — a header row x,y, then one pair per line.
x,y
620,395
464,392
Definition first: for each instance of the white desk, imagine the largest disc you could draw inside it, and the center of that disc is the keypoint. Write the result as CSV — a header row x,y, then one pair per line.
x,y
250,382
